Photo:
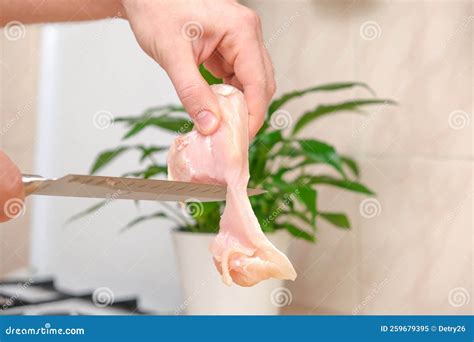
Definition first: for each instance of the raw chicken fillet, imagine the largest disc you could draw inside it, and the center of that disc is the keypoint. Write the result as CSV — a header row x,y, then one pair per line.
x,y
242,253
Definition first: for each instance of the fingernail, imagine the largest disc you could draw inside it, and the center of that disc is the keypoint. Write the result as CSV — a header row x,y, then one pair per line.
x,y
206,121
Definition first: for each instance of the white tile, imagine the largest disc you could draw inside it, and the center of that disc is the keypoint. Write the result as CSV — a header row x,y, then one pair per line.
x,y
422,58
421,240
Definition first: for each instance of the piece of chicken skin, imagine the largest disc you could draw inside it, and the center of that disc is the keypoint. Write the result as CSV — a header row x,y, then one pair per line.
x,y
241,251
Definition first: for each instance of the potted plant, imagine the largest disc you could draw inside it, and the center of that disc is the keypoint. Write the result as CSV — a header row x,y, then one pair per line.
x,y
279,162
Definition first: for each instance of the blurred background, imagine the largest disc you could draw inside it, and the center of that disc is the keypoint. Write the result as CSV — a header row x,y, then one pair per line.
x,y
412,255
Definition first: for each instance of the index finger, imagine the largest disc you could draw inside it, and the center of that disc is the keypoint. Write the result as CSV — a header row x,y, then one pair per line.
x,y
249,68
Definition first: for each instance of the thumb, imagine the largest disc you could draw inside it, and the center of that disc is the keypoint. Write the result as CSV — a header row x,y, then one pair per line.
x,y
12,194
194,92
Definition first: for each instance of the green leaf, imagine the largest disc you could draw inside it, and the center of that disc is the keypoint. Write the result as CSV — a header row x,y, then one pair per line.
x,y
269,139
106,157
87,211
341,183
320,152
307,196
278,103
300,215
207,217
140,219
351,164
282,194
278,174
148,151
167,122
337,219
352,105
258,154
150,112
293,230
210,78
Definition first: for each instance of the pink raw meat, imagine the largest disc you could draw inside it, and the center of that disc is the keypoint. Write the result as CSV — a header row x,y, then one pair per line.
x,y
242,253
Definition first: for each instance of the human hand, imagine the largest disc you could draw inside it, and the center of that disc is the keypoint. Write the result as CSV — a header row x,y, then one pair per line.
x,y
12,194
224,35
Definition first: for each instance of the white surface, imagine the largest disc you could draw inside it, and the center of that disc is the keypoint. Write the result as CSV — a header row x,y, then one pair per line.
x,y
87,68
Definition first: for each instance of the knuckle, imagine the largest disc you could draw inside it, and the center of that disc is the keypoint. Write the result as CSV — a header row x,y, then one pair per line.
x,y
158,54
250,17
271,85
272,88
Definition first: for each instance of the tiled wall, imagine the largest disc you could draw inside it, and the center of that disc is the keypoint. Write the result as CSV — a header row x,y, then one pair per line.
x,y
415,255
18,75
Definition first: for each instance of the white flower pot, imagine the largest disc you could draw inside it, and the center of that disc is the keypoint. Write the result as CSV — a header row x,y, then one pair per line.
x,y
204,293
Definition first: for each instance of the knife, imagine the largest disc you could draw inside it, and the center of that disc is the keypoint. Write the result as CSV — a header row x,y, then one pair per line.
x,y
126,188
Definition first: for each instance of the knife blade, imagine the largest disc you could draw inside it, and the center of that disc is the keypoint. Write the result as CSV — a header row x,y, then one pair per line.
x,y
126,188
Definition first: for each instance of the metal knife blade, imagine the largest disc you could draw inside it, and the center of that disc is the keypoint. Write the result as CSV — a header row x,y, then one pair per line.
x,y
126,188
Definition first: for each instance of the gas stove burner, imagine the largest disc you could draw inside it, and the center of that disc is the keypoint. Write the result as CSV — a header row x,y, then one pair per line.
x,y
34,296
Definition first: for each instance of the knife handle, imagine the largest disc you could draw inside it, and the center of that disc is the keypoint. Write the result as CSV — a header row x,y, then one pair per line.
x,y
31,183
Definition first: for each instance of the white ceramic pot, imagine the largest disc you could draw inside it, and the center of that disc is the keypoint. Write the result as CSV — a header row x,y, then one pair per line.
x,y
204,293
